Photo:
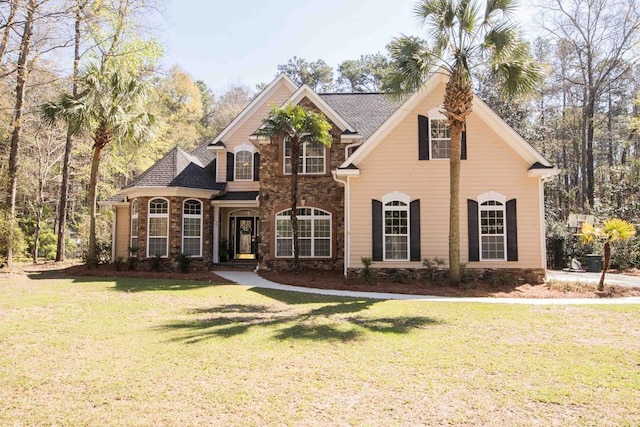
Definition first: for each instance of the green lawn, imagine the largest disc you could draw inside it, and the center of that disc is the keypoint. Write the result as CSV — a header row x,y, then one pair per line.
x,y
162,352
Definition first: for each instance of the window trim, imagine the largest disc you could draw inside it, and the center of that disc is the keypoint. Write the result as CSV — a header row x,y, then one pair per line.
x,y
135,210
388,198
499,198
155,215
280,216
303,159
200,217
237,150
435,115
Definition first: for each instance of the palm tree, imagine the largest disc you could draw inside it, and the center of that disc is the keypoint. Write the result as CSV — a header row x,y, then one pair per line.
x,y
612,230
294,124
110,107
465,36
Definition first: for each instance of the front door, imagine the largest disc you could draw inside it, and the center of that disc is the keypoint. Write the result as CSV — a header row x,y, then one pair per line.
x,y
245,238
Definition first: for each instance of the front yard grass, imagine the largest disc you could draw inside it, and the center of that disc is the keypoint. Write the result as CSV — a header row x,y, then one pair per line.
x,y
144,352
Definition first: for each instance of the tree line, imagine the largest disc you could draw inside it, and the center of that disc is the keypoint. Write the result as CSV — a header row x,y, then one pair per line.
x,y
583,114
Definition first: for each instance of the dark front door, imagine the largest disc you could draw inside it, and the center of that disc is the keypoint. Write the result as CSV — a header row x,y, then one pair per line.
x,y
245,238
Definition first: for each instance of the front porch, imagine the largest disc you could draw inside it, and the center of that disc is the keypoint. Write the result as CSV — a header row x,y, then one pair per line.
x,y
236,227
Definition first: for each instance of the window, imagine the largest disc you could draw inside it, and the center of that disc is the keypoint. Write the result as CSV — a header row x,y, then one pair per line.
x,y
192,228
440,137
244,166
134,224
396,230
492,230
314,233
312,158
158,239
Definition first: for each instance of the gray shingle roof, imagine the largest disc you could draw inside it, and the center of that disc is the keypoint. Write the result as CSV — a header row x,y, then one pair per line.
x,y
181,169
365,112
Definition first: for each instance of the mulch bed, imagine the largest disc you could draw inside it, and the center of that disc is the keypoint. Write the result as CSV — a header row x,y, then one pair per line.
x,y
335,280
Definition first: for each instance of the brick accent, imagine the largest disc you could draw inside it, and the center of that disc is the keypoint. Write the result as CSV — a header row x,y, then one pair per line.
x,y
175,234
318,191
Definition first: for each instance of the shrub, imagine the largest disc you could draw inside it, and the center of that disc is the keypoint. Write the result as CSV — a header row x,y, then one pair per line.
x,y
15,240
156,263
367,273
184,262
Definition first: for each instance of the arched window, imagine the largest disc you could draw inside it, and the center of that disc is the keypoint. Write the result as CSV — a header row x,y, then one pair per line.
x,y
135,207
192,228
244,166
312,158
314,233
158,228
396,230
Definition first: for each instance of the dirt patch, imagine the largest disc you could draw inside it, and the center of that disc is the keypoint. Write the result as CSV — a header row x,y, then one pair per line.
x,y
335,280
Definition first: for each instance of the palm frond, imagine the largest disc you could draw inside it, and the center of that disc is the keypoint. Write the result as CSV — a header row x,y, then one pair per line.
x,y
495,7
412,62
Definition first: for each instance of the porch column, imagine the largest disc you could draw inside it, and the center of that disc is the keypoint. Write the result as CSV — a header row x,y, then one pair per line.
x,y
216,234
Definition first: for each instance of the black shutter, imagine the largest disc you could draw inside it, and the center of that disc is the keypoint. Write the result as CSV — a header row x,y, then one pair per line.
x,y
473,232
414,223
512,231
423,138
463,146
376,230
256,166
214,168
230,158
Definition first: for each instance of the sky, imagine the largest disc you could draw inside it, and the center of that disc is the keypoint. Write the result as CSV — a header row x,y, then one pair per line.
x,y
227,42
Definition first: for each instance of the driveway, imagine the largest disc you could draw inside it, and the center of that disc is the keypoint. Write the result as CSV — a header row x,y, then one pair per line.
x,y
609,279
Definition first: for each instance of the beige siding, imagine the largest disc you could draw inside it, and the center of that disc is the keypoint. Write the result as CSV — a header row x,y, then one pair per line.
x,y
122,232
241,136
491,166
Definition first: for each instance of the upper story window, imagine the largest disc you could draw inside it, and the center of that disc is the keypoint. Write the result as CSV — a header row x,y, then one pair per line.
x,y
158,228
244,166
440,138
312,158
314,233
135,207
492,230
396,230
192,228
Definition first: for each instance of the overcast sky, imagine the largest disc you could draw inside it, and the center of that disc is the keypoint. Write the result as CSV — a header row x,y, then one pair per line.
x,y
224,42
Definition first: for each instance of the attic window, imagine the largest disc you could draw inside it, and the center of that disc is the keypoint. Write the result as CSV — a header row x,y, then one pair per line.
x,y
440,137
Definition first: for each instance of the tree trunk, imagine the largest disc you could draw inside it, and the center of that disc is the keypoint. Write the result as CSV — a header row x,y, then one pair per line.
x,y
101,139
64,186
295,164
36,234
605,267
458,100
17,125
7,28
454,203
589,116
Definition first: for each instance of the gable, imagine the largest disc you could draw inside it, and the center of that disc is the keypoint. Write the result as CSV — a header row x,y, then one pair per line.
x,y
429,98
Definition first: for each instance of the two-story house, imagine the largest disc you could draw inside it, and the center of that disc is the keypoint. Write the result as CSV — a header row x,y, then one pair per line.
x,y
380,191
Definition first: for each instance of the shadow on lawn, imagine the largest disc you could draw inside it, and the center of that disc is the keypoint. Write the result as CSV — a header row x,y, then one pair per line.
x,y
128,284
334,320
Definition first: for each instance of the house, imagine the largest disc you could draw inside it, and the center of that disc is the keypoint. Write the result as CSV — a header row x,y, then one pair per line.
x,y
380,191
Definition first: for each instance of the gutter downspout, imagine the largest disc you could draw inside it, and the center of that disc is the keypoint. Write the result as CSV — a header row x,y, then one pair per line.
x,y
114,238
347,221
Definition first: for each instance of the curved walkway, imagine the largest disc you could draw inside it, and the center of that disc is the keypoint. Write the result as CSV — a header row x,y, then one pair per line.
x,y
250,279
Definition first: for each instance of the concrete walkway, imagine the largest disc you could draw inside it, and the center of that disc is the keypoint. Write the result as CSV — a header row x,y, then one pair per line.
x,y
594,278
250,279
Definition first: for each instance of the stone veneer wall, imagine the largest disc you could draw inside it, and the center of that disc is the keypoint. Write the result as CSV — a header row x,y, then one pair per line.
x,y
318,191
175,234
